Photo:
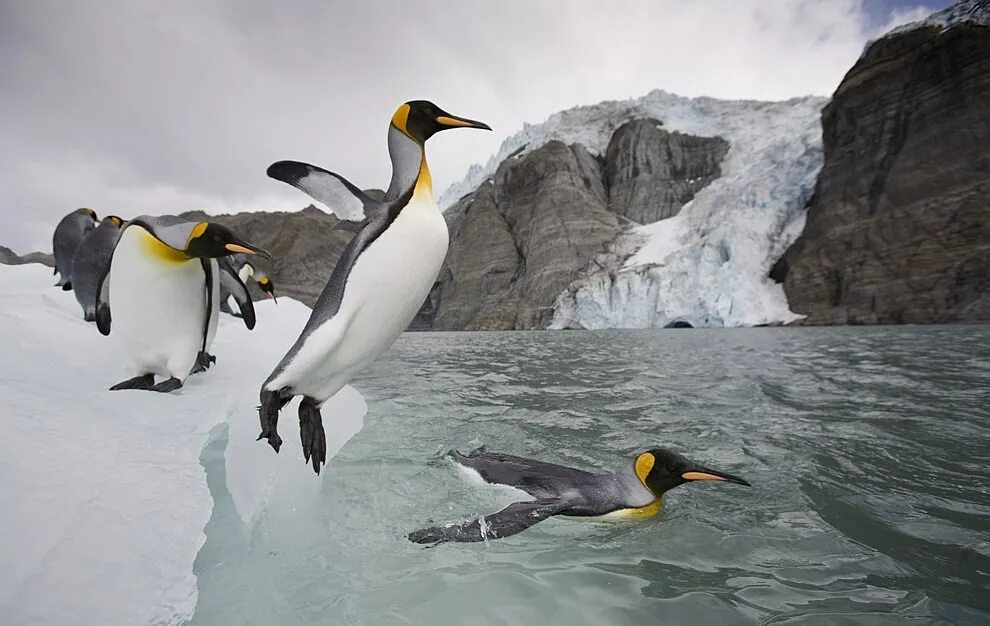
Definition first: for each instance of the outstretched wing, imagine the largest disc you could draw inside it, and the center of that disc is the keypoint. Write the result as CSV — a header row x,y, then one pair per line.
x,y
231,282
333,190
511,520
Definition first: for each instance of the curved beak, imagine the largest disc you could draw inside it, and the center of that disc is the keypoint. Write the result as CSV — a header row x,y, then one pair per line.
x,y
246,248
699,472
452,121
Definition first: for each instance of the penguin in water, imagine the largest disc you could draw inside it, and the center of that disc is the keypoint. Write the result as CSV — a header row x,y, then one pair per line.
x,y
163,293
633,492
381,280
68,235
92,261
245,270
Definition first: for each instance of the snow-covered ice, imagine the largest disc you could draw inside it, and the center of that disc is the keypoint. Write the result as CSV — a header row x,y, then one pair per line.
x,y
708,265
103,499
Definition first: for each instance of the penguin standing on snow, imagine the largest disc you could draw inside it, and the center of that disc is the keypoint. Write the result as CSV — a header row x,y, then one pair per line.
x,y
634,492
92,261
162,292
381,280
68,235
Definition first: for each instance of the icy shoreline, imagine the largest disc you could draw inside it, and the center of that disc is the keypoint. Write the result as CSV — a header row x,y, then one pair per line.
x,y
103,500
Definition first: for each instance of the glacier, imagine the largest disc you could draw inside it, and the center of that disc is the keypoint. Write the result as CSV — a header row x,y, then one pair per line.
x,y
103,499
708,265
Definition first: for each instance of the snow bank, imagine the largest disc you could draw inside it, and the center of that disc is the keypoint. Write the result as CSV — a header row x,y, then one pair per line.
x,y
103,500
968,11
709,264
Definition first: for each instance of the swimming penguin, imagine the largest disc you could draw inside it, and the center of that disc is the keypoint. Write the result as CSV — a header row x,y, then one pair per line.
x,y
245,272
163,293
379,283
635,491
92,261
68,235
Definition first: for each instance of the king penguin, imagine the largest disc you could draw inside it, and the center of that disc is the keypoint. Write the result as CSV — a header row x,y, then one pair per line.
x,y
162,296
69,233
92,261
379,283
245,271
635,491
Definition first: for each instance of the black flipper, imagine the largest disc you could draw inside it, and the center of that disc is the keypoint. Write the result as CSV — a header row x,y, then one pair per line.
x,y
511,520
271,403
103,302
208,276
232,283
144,381
311,433
167,385
333,190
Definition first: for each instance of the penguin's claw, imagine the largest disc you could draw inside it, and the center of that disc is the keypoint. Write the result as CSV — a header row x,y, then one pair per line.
x,y
311,433
203,362
144,381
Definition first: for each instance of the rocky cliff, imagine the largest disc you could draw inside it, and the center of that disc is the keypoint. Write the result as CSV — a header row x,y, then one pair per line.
x,y
9,257
898,230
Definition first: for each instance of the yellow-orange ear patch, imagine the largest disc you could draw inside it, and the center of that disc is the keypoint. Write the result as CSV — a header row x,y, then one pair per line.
x,y
400,117
263,280
644,463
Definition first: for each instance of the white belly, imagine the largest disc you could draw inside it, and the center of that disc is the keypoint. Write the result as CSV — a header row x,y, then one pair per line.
x,y
156,306
386,288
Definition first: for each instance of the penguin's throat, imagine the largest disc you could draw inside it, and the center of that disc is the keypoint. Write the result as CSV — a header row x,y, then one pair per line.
x,y
424,182
643,512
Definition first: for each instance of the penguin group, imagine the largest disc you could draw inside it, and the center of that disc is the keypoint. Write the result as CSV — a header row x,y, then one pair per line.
x,y
157,285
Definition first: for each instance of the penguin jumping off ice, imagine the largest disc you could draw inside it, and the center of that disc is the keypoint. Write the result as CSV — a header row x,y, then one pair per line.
x,y
633,492
68,235
381,280
163,293
92,261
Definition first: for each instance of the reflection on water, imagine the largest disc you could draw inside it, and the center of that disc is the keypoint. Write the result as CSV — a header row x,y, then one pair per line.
x,y
867,449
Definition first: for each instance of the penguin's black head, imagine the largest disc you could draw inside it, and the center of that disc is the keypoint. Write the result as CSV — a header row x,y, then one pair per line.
x,y
116,221
210,240
268,287
421,119
661,470
91,213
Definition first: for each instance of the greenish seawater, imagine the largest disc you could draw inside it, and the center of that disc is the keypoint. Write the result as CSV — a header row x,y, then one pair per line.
x,y
868,450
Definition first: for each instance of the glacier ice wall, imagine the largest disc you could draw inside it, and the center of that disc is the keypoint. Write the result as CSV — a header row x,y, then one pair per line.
x,y
709,265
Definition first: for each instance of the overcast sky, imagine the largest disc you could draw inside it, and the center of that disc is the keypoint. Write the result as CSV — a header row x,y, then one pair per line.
x,y
134,107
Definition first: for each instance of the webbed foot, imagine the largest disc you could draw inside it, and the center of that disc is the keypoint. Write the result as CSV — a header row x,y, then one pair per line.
x,y
144,381
314,438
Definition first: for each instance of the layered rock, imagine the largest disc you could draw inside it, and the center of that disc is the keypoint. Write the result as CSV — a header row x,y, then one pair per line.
x,y
652,173
898,230
521,238
9,257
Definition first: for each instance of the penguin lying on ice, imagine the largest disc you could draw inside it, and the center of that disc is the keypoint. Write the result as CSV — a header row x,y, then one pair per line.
x,y
163,292
633,492
379,283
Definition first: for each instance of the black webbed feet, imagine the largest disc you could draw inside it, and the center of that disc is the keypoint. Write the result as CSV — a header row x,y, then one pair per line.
x,y
271,404
167,385
144,381
311,433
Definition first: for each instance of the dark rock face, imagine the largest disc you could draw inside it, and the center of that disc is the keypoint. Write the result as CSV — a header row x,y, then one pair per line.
x,y
899,228
652,173
9,257
520,239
